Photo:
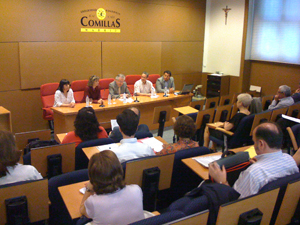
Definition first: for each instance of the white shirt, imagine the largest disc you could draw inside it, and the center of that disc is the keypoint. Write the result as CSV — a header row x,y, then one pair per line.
x,y
269,167
131,149
121,207
60,98
139,87
20,173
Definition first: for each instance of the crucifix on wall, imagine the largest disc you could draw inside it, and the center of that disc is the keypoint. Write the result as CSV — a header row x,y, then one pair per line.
x,y
226,10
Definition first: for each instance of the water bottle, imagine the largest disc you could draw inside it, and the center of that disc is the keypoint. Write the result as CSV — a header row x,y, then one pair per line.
x,y
166,91
87,101
153,92
109,99
124,98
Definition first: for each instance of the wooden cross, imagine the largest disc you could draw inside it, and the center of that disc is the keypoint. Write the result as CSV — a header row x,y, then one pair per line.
x,y
226,10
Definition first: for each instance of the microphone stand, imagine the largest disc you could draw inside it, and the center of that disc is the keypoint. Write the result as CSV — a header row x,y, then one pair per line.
x,y
136,100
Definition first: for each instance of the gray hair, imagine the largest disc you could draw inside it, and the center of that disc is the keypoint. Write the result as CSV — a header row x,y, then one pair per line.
x,y
286,90
147,74
120,75
245,99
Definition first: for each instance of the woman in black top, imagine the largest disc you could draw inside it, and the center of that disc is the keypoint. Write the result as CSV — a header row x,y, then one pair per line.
x,y
243,102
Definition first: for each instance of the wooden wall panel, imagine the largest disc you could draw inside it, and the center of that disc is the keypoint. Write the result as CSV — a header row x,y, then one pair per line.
x,y
44,62
271,75
26,110
182,57
189,78
130,58
9,66
57,21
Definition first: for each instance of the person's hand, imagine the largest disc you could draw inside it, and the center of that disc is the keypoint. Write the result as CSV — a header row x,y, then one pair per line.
x,y
127,95
171,90
100,101
219,124
253,160
72,104
298,90
219,176
89,187
276,98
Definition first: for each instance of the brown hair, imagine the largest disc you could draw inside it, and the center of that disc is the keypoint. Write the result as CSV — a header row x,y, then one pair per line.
x,y
105,172
184,127
92,79
9,154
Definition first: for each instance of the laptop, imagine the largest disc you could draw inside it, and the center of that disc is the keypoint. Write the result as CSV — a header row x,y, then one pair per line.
x,y
187,88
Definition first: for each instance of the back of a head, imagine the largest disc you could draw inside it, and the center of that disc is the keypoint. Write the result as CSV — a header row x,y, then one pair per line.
x,y
286,90
128,122
86,124
184,127
105,172
136,111
271,133
245,99
9,154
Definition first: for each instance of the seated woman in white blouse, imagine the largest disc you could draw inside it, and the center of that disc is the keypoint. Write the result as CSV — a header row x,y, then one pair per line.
x,y
64,96
10,170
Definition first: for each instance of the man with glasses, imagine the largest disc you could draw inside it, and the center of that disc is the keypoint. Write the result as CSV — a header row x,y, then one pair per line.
x,y
282,98
118,87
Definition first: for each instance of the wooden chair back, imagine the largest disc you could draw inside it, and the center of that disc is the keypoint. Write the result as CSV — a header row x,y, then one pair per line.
x,y
159,109
220,110
212,102
194,219
277,112
289,203
264,100
23,137
234,98
198,104
294,110
259,118
39,157
135,168
229,213
293,138
36,193
225,100
234,110
201,114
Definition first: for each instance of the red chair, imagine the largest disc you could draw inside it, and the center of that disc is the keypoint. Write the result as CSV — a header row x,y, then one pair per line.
x,y
47,96
153,78
130,80
104,84
78,87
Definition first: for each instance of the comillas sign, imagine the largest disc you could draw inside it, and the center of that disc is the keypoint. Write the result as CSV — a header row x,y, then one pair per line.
x,y
100,20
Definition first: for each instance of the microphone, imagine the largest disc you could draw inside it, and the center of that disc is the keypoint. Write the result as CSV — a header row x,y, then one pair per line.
x,y
136,100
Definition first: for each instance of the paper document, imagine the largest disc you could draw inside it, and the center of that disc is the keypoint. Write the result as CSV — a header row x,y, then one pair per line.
x,y
205,160
82,190
107,147
155,144
114,124
290,118
128,100
251,151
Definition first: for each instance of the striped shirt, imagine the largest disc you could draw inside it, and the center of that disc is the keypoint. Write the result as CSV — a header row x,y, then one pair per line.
x,y
269,167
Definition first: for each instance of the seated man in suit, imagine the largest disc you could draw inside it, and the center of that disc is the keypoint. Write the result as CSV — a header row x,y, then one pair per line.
x,y
118,87
269,164
282,98
165,81
143,86
130,148
116,135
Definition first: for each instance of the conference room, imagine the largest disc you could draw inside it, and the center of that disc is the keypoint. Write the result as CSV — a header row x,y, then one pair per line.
x,y
43,42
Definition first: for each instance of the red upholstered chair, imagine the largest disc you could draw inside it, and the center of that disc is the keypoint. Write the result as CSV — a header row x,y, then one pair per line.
x,y
47,96
104,84
130,80
78,87
153,78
